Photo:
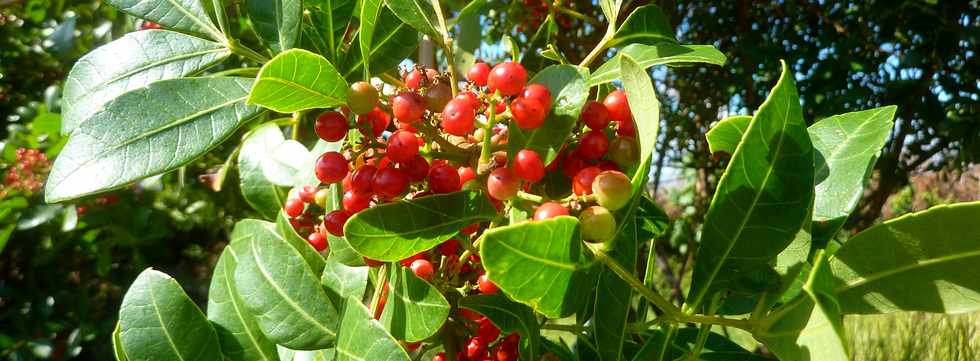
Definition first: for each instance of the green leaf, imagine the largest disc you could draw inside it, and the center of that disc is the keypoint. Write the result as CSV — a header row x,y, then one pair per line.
x,y
186,15
298,80
329,21
131,62
362,338
917,262
725,136
394,231
117,349
762,199
569,87
415,309
260,193
340,250
509,317
645,25
610,8
147,132
473,8
613,297
660,54
539,264
646,114
286,164
394,41
368,18
286,231
342,281
847,146
277,22
419,14
281,291
240,336
157,321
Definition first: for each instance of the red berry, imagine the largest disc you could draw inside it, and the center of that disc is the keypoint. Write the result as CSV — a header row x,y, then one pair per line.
x,y
318,241
334,222
582,183
307,193
618,106
528,113
470,229
372,263
505,353
593,145
466,174
412,346
360,180
437,97
486,331
402,146
440,357
331,167
508,78
458,117
478,74
376,120
331,126
626,129
355,202
408,261
470,97
294,207
448,248
443,179
595,115
503,184
572,164
413,80
417,168
538,92
475,349
389,182
528,165
408,107
486,286
423,269
549,210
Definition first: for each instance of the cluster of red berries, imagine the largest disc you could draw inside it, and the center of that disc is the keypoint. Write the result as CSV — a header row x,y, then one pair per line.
x,y
27,174
486,344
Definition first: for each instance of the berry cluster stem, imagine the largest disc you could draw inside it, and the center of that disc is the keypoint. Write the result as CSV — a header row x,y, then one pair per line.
x,y
447,47
244,51
379,287
485,150
600,47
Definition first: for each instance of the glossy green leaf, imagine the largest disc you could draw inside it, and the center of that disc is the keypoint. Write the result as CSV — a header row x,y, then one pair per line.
x,y
298,80
660,54
147,132
762,199
716,347
277,22
281,291
186,15
340,249
363,338
646,113
159,322
394,41
394,231
129,63
264,196
569,88
286,231
342,281
847,146
419,14
368,20
415,309
539,264
647,24
725,136
117,349
239,334
509,317
917,262
613,297
329,20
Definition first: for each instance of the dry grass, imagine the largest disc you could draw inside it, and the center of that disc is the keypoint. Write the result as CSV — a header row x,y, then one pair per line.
x,y
914,337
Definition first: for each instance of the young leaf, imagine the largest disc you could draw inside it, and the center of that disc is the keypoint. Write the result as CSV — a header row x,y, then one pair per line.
x,y
509,317
539,264
277,22
419,14
368,18
260,193
117,349
329,21
186,15
610,8
912,263
394,231
363,338
157,321
725,136
298,80
342,281
762,199
847,147
129,63
645,25
149,131
646,113
240,336
569,88
613,297
281,291
393,42
660,54
415,309
286,231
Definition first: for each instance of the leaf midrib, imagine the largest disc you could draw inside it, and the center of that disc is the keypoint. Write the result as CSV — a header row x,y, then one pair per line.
x,y
163,325
238,312
849,138
536,258
284,296
905,268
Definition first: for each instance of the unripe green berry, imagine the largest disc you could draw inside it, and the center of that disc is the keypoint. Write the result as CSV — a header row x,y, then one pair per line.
x,y
612,189
598,224
624,151
321,197
362,97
